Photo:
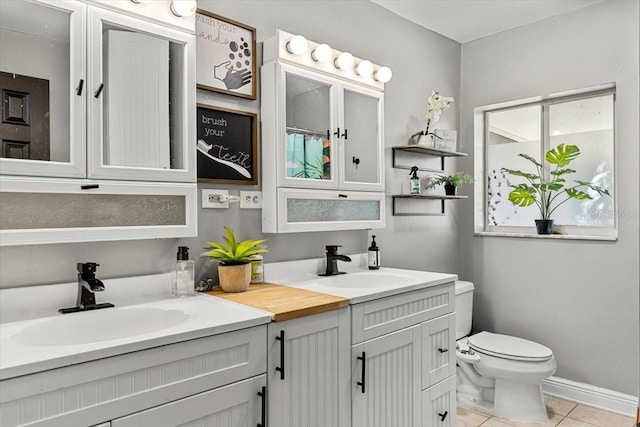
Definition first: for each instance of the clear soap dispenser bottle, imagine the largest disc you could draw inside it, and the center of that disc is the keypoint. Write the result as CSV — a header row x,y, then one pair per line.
x,y
374,255
182,274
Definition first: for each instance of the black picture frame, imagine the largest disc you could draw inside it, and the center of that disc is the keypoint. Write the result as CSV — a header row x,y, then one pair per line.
x,y
225,55
227,145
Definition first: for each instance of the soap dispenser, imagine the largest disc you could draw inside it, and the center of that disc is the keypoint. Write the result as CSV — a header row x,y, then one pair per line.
x,y
374,255
414,181
182,284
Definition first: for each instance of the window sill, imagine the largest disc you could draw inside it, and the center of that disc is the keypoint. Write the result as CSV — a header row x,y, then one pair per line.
x,y
611,238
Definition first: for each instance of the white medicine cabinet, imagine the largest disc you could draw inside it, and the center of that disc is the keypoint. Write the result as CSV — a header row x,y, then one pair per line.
x,y
322,131
104,95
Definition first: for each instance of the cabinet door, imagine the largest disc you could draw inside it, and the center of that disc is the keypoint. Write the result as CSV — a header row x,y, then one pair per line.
x,y
142,103
308,371
43,88
361,142
308,132
241,404
386,380
439,404
438,349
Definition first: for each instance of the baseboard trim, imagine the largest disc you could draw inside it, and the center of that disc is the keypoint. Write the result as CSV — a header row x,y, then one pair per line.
x,y
590,395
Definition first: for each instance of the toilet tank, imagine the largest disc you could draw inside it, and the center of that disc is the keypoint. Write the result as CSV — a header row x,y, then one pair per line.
x,y
464,308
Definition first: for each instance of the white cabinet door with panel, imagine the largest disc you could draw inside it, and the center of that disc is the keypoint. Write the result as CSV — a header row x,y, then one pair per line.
x,y
44,92
438,349
241,404
439,404
386,380
308,371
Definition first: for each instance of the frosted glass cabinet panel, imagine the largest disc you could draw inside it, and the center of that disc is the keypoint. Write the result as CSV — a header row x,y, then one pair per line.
x,y
318,210
142,101
42,69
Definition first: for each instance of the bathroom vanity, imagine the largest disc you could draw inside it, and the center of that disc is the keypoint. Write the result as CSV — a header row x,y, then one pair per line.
x,y
381,355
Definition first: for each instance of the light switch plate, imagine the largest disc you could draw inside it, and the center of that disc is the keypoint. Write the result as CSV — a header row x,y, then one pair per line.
x,y
251,200
215,198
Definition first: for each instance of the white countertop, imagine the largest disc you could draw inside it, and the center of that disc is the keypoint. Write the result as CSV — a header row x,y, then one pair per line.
x,y
25,347
359,284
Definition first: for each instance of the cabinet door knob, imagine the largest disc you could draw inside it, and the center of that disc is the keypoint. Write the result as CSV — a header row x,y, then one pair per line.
x,y
443,416
99,91
281,367
443,350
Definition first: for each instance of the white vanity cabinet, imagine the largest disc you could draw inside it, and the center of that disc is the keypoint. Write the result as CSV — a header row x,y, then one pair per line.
x,y
321,131
403,360
308,371
216,377
99,113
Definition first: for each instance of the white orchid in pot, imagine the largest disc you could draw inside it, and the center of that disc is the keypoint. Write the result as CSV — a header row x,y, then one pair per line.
x,y
435,106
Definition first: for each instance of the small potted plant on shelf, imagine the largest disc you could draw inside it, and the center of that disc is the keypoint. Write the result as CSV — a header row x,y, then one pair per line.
x,y
546,188
451,182
234,260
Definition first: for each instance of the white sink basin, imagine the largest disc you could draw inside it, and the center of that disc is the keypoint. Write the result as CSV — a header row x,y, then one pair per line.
x,y
99,325
360,279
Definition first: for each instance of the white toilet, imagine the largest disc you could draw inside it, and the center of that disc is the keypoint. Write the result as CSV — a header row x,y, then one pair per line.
x,y
499,374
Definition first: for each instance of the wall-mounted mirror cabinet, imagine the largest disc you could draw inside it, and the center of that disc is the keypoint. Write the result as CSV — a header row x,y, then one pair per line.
x,y
95,94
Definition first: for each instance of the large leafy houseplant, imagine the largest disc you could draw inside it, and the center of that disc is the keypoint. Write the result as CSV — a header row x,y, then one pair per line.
x,y
549,189
234,268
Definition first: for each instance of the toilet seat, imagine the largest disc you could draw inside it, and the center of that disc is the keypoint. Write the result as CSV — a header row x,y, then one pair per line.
x,y
508,347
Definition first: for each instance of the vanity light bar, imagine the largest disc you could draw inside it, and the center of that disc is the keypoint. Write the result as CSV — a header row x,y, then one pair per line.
x,y
297,49
180,8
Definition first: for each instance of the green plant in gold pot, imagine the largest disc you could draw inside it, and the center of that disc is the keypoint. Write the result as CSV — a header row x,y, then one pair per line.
x,y
234,260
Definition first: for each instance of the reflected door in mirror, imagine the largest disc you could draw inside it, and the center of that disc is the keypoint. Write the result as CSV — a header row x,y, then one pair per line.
x,y
24,130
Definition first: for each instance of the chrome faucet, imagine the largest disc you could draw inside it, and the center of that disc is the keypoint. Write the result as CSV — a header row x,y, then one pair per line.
x,y
332,260
87,285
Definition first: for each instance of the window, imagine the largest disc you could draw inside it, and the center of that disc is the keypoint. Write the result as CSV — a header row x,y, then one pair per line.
x,y
532,128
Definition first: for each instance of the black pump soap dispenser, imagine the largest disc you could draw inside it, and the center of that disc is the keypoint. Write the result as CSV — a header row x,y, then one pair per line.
x,y
374,255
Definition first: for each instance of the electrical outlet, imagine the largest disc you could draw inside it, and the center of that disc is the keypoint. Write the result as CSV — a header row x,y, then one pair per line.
x,y
215,199
251,200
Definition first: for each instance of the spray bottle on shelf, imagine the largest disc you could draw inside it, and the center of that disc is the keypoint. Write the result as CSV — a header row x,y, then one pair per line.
x,y
374,255
414,181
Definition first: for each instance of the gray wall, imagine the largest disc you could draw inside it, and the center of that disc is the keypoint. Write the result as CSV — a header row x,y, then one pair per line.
x,y
580,298
421,61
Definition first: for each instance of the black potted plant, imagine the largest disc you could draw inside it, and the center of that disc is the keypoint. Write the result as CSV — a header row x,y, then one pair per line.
x,y
451,182
546,188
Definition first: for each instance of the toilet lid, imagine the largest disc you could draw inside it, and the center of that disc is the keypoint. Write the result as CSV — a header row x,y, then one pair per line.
x,y
508,347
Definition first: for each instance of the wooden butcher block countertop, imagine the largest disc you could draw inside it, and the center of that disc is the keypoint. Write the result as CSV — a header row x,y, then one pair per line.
x,y
283,301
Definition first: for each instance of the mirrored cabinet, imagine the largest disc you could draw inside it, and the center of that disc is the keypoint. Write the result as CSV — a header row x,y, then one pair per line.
x,y
98,109
322,131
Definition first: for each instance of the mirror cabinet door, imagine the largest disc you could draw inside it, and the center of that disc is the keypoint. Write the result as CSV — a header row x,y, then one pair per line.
x,y
362,165
142,106
309,145
42,84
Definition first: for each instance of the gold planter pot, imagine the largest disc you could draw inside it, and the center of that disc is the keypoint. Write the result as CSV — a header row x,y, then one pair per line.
x,y
234,278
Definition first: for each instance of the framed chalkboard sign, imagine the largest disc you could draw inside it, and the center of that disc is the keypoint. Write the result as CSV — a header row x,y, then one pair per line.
x,y
225,55
227,146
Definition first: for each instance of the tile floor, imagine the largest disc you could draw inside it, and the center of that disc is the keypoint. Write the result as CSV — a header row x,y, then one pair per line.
x,y
562,413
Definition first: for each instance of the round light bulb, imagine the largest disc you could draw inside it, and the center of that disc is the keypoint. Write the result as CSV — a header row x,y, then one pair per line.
x,y
184,8
364,68
298,45
344,61
322,53
383,74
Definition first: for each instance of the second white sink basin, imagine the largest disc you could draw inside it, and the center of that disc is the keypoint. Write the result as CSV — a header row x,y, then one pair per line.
x,y
99,325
